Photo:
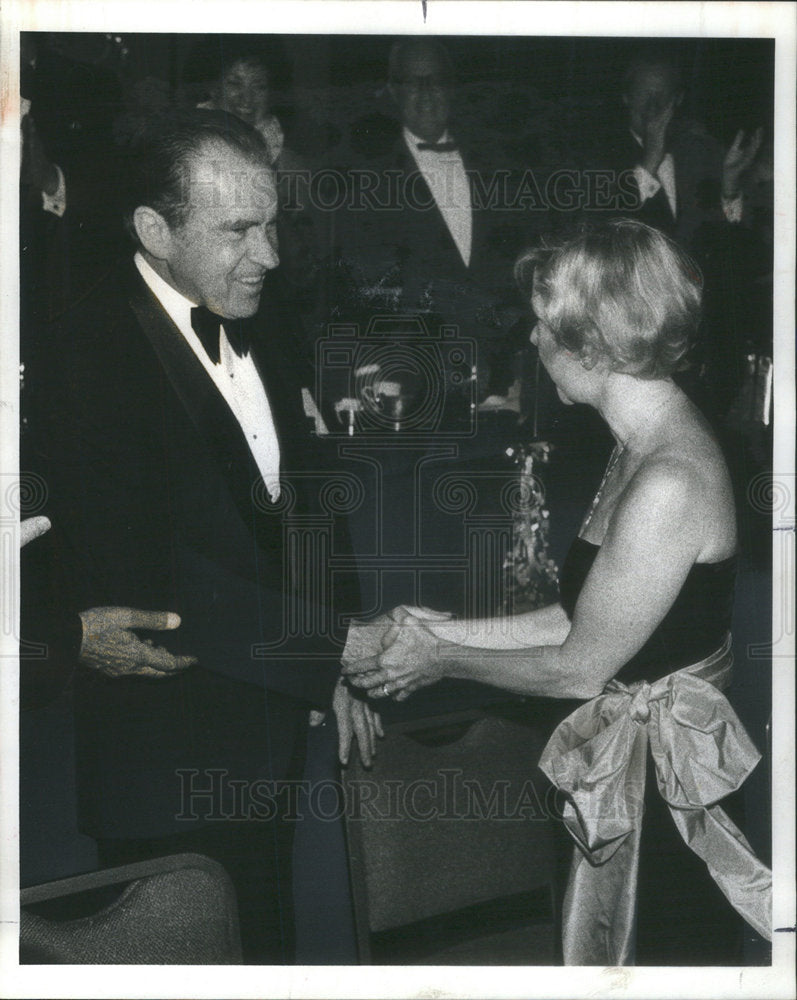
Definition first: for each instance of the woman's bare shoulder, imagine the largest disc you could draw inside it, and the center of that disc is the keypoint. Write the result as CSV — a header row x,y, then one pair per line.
x,y
691,449
685,479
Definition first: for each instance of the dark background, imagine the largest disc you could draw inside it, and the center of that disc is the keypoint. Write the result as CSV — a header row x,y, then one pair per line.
x,y
544,102
571,82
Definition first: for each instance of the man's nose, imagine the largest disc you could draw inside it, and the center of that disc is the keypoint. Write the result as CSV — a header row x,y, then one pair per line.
x,y
262,247
534,336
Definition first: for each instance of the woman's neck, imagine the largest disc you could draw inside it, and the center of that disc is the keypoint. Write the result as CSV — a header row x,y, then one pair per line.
x,y
634,408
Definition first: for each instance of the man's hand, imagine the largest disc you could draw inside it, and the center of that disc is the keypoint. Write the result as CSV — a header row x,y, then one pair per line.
x,y
738,159
355,718
110,646
396,655
33,527
654,142
410,658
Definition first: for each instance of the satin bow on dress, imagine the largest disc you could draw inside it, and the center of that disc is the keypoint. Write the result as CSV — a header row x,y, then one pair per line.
x,y
597,757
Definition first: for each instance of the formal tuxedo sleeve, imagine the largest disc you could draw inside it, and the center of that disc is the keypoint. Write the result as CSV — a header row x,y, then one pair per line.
x,y
251,630
50,627
647,184
107,482
155,514
649,199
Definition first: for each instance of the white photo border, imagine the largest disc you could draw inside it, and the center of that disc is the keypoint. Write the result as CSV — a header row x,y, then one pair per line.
x,y
730,20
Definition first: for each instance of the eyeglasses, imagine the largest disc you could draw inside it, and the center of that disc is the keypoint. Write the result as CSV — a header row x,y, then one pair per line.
x,y
431,81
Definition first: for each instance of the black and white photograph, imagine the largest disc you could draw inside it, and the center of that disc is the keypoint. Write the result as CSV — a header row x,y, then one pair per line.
x,y
397,499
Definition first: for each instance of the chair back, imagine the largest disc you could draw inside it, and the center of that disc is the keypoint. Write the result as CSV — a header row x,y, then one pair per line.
x,y
177,910
451,815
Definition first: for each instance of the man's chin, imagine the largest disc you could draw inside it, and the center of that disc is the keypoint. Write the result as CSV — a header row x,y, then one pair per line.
x,y
565,399
245,313
428,128
244,306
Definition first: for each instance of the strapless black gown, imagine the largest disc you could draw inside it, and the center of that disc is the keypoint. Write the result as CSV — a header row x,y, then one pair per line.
x,y
693,628
683,918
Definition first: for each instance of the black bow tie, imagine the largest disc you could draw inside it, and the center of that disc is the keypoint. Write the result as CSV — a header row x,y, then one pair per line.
x,y
438,147
206,326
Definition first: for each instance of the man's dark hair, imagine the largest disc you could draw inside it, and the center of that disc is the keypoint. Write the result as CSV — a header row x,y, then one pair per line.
x,y
159,153
658,56
403,47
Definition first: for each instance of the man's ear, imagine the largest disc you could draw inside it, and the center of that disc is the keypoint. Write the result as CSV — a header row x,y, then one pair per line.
x,y
153,231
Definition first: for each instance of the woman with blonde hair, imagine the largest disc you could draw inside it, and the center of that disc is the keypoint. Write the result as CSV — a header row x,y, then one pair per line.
x,y
641,632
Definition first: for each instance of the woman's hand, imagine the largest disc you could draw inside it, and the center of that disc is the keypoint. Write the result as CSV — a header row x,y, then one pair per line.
x,y
411,658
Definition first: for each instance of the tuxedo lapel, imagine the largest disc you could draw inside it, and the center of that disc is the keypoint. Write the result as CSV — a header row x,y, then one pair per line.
x,y
199,397
284,398
284,371
478,215
429,224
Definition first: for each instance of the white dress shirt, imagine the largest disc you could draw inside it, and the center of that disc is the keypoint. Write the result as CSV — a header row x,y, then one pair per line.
x,y
236,379
445,174
665,178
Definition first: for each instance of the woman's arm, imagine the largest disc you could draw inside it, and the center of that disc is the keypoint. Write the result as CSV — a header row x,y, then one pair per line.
x,y
542,627
650,546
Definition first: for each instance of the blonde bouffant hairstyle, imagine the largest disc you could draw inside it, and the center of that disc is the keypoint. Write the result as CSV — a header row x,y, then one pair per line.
x,y
619,291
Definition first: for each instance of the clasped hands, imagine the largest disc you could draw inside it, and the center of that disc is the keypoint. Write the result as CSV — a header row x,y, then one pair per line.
x,y
395,654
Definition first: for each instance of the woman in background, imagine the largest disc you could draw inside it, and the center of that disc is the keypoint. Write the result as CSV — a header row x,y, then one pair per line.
x,y
232,73
642,627
237,79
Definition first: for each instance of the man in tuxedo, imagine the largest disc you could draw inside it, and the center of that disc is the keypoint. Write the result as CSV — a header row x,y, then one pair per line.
x,y
677,178
184,477
69,214
427,226
680,178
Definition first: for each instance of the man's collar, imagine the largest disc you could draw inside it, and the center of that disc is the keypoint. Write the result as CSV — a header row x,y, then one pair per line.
x,y
638,139
176,305
412,140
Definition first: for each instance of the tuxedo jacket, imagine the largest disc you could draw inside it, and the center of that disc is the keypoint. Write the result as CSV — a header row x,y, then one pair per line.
x,y
698,175
399,237
157,503
74,107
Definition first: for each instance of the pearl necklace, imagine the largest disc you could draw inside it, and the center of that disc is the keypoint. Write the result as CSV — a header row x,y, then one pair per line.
x,y
613,460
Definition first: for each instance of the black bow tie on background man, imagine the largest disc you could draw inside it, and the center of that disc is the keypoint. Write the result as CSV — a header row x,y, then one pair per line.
x,y
206,326
438,147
